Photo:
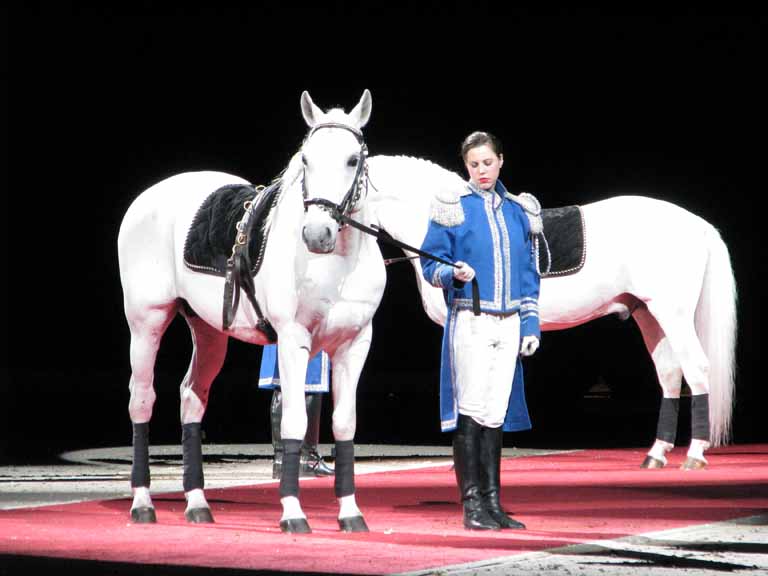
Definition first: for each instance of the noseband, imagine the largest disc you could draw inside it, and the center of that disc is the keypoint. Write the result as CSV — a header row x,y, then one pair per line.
x,y
352,197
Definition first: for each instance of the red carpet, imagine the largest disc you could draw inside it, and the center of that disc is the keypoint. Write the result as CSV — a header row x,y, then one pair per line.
x,y
414,516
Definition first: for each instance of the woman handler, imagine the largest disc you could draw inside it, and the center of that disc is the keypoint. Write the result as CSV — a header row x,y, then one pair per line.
x,y
487,232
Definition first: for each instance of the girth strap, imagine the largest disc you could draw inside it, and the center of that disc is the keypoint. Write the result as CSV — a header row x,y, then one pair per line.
x,y
238,271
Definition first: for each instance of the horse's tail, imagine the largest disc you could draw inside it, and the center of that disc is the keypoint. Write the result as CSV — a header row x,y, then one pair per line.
x,y
716,325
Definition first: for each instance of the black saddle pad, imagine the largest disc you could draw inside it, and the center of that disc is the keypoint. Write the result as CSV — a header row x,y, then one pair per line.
x,y
213,230
564,235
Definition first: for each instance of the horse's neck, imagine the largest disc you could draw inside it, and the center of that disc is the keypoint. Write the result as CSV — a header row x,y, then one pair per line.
x,y
403,190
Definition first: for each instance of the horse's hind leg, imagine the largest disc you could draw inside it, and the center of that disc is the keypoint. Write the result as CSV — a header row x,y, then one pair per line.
x,y
147,328
684,342
209,348
670,374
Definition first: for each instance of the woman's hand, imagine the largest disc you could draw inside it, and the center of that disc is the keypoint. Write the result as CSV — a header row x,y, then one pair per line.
x,y
529,346
463,272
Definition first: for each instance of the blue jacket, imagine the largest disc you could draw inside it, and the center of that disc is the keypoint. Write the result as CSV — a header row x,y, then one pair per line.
x,y
494,238
318,371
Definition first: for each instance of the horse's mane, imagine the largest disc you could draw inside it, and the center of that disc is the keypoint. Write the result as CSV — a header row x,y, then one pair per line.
x,y
291,172
287,178
405,176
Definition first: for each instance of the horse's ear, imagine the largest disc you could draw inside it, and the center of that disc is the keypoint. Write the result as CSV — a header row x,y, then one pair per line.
x,y
362,112
310,112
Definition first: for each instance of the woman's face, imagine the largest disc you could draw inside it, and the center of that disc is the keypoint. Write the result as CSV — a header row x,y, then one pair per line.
x,y
483,166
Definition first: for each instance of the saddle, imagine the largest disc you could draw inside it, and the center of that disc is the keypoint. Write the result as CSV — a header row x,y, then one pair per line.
x,y
214,229
562,246
227,238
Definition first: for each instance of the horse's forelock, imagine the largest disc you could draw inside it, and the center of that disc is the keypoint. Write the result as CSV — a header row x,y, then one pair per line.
x,y
337,115
333,116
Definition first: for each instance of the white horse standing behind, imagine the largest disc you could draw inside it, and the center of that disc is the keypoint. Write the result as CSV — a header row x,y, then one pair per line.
x,y
667,268
319,286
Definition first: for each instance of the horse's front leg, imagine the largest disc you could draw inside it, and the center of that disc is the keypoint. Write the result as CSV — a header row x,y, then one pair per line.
x,y
293,357
209,348
347,366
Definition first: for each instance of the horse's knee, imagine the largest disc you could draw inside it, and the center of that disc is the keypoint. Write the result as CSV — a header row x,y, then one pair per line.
x,y
343,428
698,379
142,400
293,425
670,380
192,405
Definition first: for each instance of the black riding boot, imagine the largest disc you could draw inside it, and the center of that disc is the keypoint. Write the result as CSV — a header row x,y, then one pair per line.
x,y
490,456
312,463
276,415
467,465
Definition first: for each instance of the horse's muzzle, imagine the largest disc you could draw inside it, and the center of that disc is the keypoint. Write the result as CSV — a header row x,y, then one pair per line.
x,y
320,238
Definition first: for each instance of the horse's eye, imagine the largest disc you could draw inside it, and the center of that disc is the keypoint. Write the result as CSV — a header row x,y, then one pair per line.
x,y
304,160
352,162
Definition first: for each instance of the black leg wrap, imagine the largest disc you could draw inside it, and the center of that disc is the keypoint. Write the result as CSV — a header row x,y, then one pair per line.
x,y
140,468
192,454
700,417
289,479
344,482
666,428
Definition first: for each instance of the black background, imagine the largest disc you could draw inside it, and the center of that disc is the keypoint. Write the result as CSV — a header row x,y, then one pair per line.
x,y
106,100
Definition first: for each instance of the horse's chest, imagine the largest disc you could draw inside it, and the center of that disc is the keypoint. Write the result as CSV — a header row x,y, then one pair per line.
x,y
343,296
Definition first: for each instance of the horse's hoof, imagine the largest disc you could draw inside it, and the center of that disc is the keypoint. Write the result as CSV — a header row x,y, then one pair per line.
x,y
651,463
143,515
693,464
353,524
295,526
199,516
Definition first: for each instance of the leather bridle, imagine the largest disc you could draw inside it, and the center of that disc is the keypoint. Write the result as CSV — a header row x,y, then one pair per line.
x,y
359,183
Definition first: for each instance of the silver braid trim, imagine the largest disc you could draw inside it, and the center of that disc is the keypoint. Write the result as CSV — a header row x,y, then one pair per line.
x,y
532,208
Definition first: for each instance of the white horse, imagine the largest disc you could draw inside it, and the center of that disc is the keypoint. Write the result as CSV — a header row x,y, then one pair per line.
x,y
319,286
667,268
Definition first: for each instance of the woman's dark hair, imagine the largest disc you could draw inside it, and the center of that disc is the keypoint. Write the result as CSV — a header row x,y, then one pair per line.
x,y
480,139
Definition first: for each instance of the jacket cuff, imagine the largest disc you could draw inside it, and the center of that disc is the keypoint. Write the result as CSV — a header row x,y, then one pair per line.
x,y
529,318
443,276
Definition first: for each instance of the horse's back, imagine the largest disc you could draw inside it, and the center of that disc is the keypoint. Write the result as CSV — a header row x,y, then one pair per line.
x,y
653,237
151,237
644,212
650,249
173,196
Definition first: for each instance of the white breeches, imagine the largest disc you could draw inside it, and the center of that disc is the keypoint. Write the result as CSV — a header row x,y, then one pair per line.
x,y
485,350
